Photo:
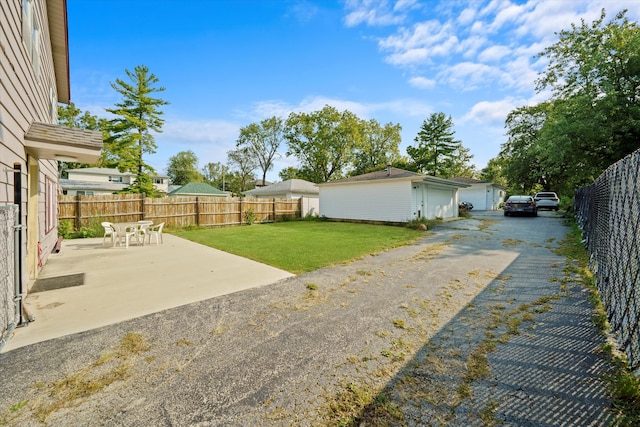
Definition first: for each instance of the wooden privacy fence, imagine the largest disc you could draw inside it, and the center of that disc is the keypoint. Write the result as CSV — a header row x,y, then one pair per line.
x,y
86,211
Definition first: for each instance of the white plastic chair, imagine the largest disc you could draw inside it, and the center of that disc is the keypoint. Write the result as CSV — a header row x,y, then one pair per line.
x,y
155,232
143,226
110,232
129,232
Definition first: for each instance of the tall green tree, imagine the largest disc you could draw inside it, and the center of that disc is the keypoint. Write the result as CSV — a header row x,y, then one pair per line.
x,y
244,165
378,146
437,152
73,117
289,173
137,117
183,168
494,171
324,142
215,173
593,117
263,141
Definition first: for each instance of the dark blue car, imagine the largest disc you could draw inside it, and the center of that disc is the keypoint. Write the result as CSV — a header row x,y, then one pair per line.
x,y
520,205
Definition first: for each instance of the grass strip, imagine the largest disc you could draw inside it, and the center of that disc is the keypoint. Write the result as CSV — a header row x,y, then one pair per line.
x,y
301,246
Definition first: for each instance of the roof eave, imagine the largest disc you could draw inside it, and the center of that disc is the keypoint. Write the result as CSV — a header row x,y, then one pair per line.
x,y
58,33
52,142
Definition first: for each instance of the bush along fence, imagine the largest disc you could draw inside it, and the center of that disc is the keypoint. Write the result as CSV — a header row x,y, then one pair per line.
x,y
87,211
608,212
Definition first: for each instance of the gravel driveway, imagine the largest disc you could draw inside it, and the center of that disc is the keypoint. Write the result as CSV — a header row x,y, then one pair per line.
x,y
474,324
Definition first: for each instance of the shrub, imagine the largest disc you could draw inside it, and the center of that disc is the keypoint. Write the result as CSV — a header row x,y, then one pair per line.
x,y
249,216
65,228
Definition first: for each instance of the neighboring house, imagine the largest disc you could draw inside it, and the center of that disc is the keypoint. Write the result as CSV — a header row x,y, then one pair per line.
x,y
392,195
34,71
291,189
193,189
484,196
94,181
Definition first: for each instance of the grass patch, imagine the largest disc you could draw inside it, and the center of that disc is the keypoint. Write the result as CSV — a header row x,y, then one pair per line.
x,y
355,406
68,392
301,246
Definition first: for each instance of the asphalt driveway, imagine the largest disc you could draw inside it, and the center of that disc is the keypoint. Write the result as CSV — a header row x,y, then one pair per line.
x,y
476,323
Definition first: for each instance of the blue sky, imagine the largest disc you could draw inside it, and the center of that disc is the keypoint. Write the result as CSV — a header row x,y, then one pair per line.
x,y
228,63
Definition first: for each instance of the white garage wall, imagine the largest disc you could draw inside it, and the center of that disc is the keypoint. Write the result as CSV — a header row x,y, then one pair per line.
x,y
371,201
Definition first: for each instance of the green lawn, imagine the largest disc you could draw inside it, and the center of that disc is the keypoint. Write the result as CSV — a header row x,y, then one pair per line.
x,y
299,246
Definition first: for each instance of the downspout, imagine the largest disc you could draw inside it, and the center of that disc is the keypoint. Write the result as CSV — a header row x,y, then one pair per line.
x,y
17,242
17,255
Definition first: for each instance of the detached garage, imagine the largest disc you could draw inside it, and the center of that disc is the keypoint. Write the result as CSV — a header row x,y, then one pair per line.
x,y
392,194
483,195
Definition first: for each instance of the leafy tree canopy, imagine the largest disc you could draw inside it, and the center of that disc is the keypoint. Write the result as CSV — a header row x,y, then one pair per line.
x,y
245,165
377,147
593,117
323,141
71,116
183,168
262,140
215,174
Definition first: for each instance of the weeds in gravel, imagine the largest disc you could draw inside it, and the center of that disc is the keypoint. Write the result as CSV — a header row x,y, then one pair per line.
x,y
354,403
68,392
623,385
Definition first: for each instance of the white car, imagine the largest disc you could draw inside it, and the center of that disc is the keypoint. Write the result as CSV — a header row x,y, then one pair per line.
x,y
547,200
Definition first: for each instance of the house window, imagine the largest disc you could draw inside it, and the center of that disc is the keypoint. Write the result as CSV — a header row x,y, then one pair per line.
x,y
50,204
158,180
31,33
115,179
84,193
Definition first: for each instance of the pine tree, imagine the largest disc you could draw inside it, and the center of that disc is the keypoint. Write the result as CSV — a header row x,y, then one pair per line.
x,y
137,116
437,152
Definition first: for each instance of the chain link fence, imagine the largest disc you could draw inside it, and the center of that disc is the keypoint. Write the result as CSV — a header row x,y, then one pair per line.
x,y
608,213
7,263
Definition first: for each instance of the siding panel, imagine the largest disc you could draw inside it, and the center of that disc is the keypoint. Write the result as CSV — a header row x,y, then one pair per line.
x,y
372,201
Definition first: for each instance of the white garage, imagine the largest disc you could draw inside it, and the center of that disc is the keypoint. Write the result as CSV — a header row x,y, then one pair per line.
x,y
390,195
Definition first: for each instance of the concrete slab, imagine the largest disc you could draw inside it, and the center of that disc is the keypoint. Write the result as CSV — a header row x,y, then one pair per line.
x,y
125,283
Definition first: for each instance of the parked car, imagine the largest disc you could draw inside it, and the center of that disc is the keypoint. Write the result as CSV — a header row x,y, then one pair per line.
x,y
465,205
547,200
520,205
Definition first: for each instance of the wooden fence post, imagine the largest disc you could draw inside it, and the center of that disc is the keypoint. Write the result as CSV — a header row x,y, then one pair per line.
x,y
275,212
144,213
197,211
78,220
240,201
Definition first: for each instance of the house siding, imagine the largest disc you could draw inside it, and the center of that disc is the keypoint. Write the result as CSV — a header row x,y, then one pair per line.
x,y
370,201
25,98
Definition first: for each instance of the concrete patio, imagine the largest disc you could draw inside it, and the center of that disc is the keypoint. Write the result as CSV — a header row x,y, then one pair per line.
x,y
106,285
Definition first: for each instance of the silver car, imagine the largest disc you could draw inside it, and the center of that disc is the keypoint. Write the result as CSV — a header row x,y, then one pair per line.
x,y
547,200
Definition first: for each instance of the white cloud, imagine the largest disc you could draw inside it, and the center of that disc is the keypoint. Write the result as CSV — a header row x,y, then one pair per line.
x,y
431,38
422,82
303,11
494,53
376,12
491,112
466,76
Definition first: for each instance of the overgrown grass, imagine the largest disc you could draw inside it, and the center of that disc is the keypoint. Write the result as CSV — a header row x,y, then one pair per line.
x,y
72,390
300,246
